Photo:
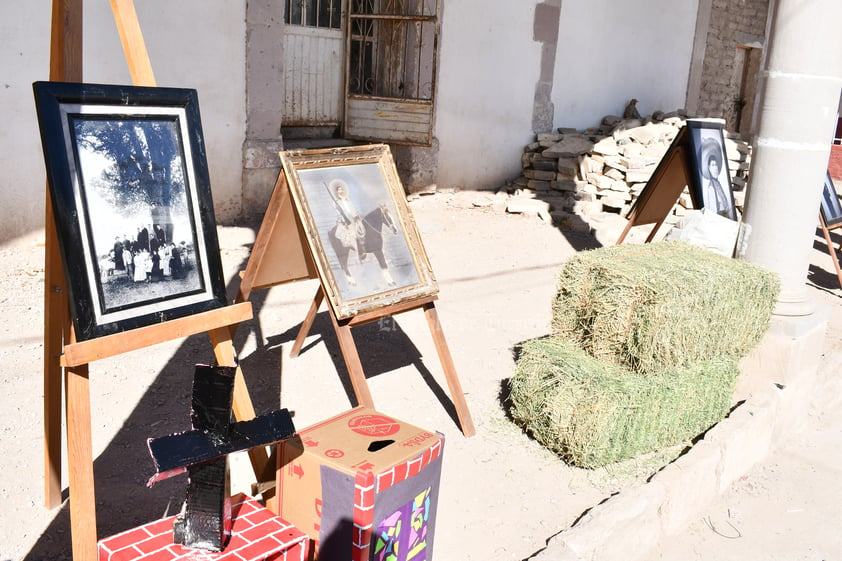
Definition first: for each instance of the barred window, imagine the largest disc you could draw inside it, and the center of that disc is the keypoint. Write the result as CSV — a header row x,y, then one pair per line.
x,y
314,13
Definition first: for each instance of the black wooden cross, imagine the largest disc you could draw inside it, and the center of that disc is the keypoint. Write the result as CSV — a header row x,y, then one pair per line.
x,y
203,453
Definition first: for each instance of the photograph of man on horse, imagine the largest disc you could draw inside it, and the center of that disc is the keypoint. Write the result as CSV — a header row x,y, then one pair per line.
x,y
361,234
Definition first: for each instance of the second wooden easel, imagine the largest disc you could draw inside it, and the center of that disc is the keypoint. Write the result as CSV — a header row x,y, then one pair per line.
x,y
830,249
660,194
64,355
280,255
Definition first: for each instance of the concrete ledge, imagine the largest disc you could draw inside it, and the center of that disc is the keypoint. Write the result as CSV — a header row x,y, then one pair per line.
x,y
775,382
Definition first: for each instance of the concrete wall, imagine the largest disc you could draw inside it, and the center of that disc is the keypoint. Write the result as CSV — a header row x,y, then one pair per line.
x,y
499,78
610,52
487,75
192,43
491,80
25,37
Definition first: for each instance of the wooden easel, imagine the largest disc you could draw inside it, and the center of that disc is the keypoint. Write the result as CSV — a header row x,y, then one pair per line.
x,y
281,254
830,249
661,192
62,353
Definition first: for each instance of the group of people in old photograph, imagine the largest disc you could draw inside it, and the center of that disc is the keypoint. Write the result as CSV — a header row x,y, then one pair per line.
x,y
147,256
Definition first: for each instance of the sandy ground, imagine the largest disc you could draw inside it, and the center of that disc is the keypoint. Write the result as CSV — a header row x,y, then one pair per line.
x,y
502,495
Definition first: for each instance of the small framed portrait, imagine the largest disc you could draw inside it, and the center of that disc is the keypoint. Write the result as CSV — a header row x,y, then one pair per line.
x,y
131,196
708,167
831,210
359,228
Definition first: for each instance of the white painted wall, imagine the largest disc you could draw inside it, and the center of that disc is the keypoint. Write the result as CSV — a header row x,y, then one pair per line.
x,y
610,52
24,58
192,44
487,74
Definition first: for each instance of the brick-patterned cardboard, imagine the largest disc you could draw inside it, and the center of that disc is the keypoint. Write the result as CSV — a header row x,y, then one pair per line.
x,y
258,535
363,485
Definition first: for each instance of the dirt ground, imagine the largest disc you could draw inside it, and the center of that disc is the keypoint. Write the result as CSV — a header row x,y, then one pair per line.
x,y
502,495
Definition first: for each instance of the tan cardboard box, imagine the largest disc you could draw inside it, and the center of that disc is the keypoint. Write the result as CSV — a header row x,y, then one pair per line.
x,y
362,484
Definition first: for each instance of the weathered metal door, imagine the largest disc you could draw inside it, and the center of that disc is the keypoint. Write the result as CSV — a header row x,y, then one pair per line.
x,y
392,56
314,57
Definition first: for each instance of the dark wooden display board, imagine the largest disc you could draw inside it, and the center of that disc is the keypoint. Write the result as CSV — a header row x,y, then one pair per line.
x,y
661,192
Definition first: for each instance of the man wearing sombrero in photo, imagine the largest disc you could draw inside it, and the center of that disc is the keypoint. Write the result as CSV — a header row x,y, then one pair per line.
x,y
713,193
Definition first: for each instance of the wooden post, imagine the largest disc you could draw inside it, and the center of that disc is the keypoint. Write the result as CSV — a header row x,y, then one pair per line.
x,y
65,65
80,463
134,46
307,323
453,384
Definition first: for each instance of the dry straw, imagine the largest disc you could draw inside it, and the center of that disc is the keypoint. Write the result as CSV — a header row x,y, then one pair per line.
x,y
593,413
658,306
644,352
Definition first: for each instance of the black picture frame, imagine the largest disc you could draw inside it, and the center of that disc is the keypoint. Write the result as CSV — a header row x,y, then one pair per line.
x,y
706,148
127,171
830,209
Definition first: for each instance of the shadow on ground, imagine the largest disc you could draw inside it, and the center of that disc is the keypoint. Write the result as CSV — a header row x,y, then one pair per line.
x,y
123,500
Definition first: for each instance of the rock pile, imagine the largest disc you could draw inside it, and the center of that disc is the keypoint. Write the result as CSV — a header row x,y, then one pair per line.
x,y
604,169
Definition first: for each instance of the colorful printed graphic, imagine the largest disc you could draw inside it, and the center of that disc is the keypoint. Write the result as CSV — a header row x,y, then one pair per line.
x,y
402,536
373,425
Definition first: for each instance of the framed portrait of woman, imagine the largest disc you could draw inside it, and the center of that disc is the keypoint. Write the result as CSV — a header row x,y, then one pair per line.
x,y
710,178
359,227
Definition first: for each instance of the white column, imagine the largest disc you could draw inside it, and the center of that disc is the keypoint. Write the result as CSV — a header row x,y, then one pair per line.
x,y
797,119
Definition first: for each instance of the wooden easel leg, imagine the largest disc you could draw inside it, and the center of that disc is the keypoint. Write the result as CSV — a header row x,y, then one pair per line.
x,y
65,66
80,464
352,362
655,229
450,375
625,231
56,317
307,323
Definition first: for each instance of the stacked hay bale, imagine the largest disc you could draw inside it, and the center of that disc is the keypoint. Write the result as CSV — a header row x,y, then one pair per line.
x,y
644,350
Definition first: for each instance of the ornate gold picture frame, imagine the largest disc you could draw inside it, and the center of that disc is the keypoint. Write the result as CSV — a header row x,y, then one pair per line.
x,y
359,227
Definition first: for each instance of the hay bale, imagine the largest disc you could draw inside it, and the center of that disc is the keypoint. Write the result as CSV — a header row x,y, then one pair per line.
x,y
593,413
662,305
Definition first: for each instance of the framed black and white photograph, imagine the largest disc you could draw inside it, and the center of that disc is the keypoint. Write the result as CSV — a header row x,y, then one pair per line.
x,y
708,168
831,210
359,227
130,192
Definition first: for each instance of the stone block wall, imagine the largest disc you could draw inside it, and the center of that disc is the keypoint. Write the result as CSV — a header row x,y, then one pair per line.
x,y
732,25
604,169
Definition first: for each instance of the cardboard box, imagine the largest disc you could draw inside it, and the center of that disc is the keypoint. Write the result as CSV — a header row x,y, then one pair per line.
x,y
363,485
257,535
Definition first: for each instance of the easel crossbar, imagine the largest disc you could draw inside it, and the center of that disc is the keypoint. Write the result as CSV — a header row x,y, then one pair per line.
x,y
84,352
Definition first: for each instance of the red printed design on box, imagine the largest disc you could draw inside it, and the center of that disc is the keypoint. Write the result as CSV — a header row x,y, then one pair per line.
x,y
374,425
258,535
